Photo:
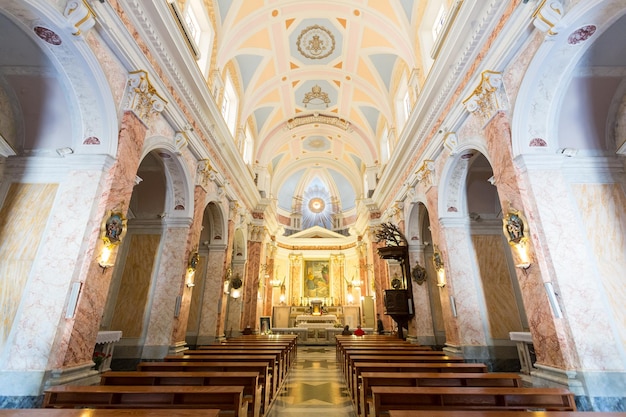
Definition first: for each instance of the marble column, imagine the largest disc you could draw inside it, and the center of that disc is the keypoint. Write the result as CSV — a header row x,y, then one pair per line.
x,y
178,342
251,285
167,285
225,268
116,192
213,296
55,238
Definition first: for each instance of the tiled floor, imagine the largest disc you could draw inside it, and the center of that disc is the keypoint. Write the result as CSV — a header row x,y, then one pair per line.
x,y
314,386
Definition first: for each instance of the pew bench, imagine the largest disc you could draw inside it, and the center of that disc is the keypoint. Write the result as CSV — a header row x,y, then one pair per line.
x,y
261,368
490,413
429,379
438,363
104,412
470,398
229,400
252,392
271,360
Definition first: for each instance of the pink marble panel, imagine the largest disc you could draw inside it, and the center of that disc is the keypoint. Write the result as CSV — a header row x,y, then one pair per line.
x,y
132,299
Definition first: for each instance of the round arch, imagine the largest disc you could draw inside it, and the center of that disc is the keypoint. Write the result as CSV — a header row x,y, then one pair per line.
x,y
539,101
179,198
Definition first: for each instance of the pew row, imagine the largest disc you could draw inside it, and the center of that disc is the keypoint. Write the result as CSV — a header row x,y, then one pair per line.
x,y
229,400
261,368
470,398
429,379
253,392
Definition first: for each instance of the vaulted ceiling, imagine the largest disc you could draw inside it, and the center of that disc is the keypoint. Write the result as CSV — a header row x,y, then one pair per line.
x,y
317,82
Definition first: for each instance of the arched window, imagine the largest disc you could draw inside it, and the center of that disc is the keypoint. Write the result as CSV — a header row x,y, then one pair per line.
x,y
199,27
229,105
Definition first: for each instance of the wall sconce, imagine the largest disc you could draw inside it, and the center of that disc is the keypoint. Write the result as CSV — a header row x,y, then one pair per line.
x,y
516,230
276,282
191,269
441,272
112,230
235,284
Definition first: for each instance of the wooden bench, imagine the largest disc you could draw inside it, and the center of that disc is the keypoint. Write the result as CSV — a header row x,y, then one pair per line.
x,y
252,390
359,368
281,354
391,358
242,358
229,400
104,412
470,398
429,379
261,368
437,354
509,413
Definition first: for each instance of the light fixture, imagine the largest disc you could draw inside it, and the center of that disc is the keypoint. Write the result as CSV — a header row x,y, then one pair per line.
x,y
191,269
350,299
235,284
441,272
276,282
64,151
516,230
112,230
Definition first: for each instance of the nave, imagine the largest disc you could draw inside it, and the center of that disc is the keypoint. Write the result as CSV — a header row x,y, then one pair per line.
x,y
314,386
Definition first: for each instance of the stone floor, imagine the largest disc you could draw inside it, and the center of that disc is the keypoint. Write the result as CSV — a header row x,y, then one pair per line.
x,y
314,386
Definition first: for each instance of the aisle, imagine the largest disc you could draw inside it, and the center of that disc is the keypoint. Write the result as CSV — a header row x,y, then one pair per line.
x,y
314,386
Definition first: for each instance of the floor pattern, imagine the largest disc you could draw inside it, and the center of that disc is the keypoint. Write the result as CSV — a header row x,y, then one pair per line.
x,y
314,385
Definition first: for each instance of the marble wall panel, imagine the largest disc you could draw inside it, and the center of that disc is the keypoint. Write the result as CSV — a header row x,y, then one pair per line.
x,y
132,298
212,295
603,210
500,304
23,219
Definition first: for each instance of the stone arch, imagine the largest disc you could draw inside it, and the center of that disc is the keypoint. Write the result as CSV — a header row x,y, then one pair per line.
x,y
75,77
540,98
452,198
179,196
214,225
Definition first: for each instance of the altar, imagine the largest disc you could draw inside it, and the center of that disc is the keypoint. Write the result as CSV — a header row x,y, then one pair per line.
x,y
316,321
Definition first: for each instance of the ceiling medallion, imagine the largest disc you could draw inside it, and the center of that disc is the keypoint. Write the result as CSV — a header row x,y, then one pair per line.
x,y
316,205
316,94
315,42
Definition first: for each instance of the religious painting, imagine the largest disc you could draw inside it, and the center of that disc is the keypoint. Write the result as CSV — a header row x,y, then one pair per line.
x,y
514,226
113,227
265,326
316,279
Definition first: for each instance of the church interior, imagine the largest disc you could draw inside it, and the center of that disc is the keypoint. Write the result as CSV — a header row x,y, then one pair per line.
x,y
174,173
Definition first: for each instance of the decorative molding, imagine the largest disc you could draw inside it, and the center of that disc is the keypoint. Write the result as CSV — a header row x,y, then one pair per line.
x,y
547,15
315,42
80,15
426,172
451,142
142,98
181,140
319,118
316,94
488,98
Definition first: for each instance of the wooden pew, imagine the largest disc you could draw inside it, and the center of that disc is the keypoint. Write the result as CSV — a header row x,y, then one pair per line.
x,y
103,412
391,358
281,354
252,392
229,400
261,368
270,359
287,350
470,398
509,413
348,353
429,379
359,368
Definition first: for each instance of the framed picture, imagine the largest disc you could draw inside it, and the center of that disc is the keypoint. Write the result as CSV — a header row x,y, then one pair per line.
x,y
265,325
316,279
113,228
